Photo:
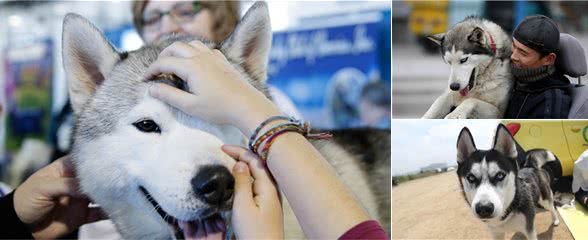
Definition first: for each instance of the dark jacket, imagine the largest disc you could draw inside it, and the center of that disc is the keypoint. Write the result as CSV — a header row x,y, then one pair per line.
x,y
547,98
12,227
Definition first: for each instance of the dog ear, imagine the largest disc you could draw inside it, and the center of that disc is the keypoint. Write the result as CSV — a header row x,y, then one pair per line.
x,y
476,35
504,142
87,58
465,145
249,44
437,38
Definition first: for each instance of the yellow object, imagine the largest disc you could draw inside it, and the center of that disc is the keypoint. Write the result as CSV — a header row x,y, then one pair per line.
x,y
428,17
567,139
576,220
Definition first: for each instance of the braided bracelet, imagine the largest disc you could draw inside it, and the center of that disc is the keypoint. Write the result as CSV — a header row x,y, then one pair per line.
x,y
265,151
268,137
263,137
267,121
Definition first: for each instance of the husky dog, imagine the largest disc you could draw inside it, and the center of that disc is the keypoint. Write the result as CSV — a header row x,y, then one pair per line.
x,y
499,190
154,170
478,52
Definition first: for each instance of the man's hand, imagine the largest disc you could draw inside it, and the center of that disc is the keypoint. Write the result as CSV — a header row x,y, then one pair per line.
x,y
50,204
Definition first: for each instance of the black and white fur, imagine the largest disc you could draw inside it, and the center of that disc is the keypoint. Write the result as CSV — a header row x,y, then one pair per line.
x,y
498,190
140,159
480,79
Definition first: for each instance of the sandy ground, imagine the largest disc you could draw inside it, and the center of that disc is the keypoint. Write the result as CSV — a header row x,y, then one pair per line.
x,y
434,208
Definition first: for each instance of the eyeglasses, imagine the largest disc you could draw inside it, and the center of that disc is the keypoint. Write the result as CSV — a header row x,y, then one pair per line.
x,y
181,13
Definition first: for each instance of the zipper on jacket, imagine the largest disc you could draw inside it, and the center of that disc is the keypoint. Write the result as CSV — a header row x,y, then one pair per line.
x,y
522,105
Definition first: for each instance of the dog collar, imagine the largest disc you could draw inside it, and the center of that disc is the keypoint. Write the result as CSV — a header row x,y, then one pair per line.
x,y
492,43
508,211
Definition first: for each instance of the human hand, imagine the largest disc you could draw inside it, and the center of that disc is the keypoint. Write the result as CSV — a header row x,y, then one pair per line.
x,y
257,211
50,204
218,92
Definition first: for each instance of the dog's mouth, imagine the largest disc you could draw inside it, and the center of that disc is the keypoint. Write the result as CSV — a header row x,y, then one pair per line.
x,y
209,223
464,92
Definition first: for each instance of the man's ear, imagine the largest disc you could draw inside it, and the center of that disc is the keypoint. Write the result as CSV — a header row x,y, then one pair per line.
x,y
549,59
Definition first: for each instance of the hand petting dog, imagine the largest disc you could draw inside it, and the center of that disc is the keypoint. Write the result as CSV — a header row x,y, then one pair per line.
x,y
50,204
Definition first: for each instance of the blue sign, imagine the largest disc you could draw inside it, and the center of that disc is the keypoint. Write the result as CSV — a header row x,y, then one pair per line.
x,y
323,70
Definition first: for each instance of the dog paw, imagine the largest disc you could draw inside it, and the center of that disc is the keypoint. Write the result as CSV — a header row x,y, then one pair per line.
x,y
455,116
556,222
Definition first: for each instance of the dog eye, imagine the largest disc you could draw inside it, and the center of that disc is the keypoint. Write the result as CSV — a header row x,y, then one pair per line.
x,y
471,178
499,176
147,126
463,60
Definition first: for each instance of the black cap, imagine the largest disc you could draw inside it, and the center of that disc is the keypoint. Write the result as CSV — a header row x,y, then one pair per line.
x,y
539,33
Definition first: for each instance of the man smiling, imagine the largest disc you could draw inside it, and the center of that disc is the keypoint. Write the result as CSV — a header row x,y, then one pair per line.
x,y
541,91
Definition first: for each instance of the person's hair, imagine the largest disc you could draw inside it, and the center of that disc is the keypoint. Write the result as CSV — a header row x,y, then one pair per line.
x,y
225,16
543,54
376,93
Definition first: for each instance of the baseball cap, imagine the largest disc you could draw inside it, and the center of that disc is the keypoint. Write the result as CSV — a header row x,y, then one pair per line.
x,y
539,33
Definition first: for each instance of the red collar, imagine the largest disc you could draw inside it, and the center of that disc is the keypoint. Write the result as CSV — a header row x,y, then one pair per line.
x,y
492,43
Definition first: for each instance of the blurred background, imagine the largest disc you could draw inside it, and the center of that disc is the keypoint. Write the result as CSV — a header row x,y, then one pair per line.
x,y
420,75
332,59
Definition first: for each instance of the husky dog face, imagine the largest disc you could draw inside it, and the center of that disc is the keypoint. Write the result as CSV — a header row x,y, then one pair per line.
x,y
465,49
488,177
147,164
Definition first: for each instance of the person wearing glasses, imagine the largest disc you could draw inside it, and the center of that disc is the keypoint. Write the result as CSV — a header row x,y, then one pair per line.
x,y
209,20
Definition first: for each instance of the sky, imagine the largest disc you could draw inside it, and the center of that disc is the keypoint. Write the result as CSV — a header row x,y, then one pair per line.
x,y
416,144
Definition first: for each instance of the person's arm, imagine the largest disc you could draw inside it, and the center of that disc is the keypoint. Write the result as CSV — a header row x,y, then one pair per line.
x,y
582,197
12,226
323,205
48,203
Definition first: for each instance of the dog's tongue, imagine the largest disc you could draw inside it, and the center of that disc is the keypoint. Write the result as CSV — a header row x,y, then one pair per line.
x,y
464,92
212,228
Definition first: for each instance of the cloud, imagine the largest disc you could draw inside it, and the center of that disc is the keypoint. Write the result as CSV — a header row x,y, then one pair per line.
x,y
418,143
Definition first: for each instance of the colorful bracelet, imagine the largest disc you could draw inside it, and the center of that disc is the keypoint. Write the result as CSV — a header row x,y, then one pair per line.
x,y
263,137
265,151
267,121
267,138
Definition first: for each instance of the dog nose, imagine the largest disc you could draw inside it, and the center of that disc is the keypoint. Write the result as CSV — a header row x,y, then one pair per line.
x,y
454,86
213,184
485,210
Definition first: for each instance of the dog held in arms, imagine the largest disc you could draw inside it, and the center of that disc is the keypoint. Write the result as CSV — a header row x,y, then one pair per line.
x,y
478,53
148,164
503,186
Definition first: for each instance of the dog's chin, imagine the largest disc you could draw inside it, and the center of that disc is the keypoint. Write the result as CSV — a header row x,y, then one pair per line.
x,y
211,219
471,82
490,219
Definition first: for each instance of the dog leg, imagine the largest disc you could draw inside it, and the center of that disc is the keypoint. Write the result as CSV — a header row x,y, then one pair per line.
x,y
554,216
531,235
474,108
440,108
529,229
552,209
547,204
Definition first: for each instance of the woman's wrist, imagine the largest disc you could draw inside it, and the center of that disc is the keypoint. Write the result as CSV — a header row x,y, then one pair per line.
x,y
253,119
